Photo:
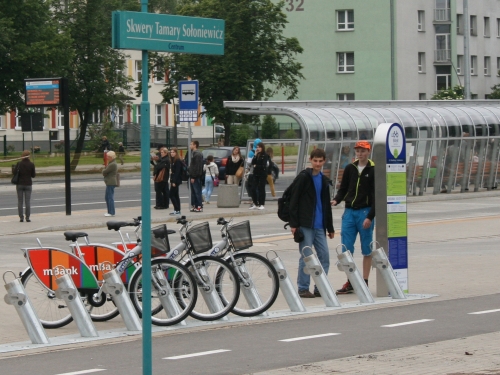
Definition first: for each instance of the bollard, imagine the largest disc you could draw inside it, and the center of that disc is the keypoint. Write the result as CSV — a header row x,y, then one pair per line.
x,y
114,286
16,296
380,261
210,295
346,264
287,289
66,290
167,296
313,267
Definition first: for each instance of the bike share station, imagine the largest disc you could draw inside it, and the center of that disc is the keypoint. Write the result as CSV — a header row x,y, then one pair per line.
x,y
389,154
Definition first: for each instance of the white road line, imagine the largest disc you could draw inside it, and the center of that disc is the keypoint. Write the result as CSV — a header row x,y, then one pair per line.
x,y
484,312
198,354
407,323
84,371
310,337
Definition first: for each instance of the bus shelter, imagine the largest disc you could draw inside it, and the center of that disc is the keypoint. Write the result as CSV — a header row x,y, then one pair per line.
x,y
451,145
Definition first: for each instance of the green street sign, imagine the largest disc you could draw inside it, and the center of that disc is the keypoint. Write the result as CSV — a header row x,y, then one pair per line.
x,y
167,33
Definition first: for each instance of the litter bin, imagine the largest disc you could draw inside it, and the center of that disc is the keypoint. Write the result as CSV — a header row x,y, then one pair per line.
x,y
228,196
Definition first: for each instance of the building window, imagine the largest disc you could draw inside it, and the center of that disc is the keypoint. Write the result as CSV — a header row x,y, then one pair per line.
x,y
159,114
345,20
487,65
60,118
138,70
473,96
498,65
345,62
487,27
421,20
138,114
345,96
498,27
421,62
443,77
159,77
442,11
473,25
422,96
460,64
443,48
473,65
460,24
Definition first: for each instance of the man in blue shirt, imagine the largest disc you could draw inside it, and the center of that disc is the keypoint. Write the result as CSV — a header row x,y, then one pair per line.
x,y
311,217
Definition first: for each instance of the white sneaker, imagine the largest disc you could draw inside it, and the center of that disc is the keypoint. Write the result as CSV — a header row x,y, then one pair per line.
x,y
260,207
108,215
253,207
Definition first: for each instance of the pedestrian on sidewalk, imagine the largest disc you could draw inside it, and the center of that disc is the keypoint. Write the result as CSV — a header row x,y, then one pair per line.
x,y
234,162
175,180
109,174
121,152
161,176
311,217
195,170
270,180
211,173
105,147
357,189
260,163
24,185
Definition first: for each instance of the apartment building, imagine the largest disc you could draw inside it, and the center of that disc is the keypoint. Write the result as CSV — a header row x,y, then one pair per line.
x,y
393,49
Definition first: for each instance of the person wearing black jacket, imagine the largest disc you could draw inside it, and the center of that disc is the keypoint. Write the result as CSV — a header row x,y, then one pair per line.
x,y
175,180
357,189
24,185
260,163
311,217
195,171
161,173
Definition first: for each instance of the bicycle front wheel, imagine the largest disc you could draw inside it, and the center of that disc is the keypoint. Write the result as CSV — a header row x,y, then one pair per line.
x,y
168,280
259,283
210,305
51,311
101,310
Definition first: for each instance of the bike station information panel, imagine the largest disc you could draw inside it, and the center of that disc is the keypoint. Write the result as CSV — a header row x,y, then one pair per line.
x,y
45,92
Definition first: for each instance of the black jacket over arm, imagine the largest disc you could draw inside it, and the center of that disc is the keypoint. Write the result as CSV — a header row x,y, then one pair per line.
x,y
358,190
176,173
303,202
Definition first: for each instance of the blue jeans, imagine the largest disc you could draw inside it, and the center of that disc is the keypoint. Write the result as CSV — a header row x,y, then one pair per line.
x,y
196,192
109,197
209,187
316,237
352,224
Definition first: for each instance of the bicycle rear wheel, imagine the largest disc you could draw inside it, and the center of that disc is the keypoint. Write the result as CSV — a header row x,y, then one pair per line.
x,y
259,283
166,285
106,310
51,311
209,305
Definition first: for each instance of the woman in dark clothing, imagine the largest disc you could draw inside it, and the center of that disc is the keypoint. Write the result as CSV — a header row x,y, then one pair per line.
x,y
175,180
161,183
260,163
24,185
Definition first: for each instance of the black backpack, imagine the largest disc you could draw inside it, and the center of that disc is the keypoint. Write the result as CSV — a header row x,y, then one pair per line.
x,y
284,201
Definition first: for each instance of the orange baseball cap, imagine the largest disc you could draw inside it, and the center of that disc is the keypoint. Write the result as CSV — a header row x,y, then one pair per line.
x,y
363,144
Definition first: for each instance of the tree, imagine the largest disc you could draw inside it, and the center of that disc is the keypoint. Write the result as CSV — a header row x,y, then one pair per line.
x,y
31,46
96,75
269,127
456,93
495,92
240,134
258,61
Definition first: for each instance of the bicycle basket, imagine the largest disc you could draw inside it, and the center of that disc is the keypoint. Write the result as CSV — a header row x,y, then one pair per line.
x,y
199,238
159,241
240,235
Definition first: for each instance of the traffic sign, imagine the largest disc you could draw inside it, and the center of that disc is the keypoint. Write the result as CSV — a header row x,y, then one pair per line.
x,y
188,101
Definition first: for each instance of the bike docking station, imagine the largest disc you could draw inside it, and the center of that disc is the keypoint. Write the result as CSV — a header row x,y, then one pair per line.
x,y
381,263
313,267
67,291
17,297
287,288
114,286
346,263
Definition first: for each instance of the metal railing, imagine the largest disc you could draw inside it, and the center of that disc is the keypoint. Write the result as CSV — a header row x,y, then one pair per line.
x,y
442,15
442,55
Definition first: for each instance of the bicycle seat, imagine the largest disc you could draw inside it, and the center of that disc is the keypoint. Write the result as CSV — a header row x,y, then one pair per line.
x,y
159,233
116,225
73,236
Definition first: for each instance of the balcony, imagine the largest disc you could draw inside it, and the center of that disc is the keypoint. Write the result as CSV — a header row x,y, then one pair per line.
x,y
442,15
442,55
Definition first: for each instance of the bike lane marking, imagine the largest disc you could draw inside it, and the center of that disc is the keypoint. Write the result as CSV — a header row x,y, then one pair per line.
x,y
309,337
84,371
198,354
408,323
483,312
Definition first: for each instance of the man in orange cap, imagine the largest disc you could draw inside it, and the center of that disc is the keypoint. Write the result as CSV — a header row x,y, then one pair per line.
x,y
357,189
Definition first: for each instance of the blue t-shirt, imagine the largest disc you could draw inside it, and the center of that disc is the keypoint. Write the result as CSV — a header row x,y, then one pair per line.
x,y
318,214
